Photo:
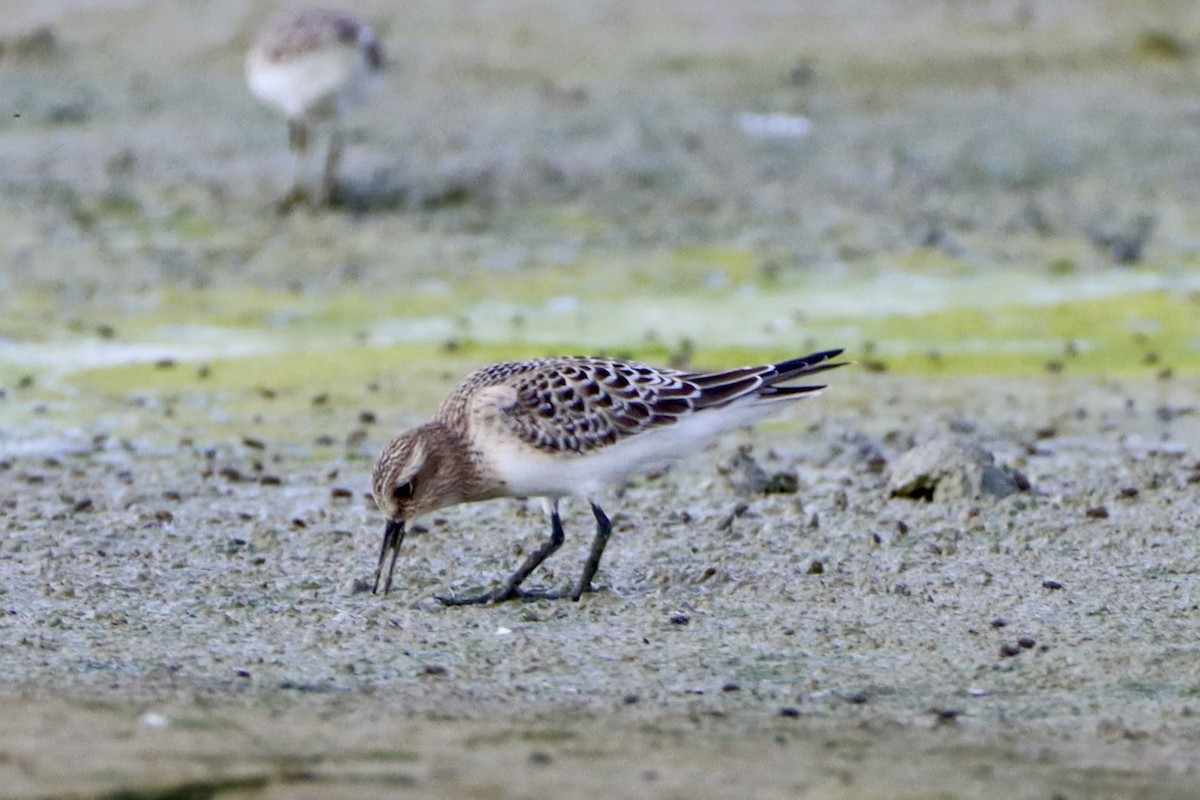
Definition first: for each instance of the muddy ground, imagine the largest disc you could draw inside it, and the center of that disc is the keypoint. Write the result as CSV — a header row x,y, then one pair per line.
x,y
192,389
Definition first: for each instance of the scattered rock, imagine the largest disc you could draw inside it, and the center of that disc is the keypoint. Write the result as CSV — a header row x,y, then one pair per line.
x,y
1162,45
949,469
1126,242
39,43
945,715
746,476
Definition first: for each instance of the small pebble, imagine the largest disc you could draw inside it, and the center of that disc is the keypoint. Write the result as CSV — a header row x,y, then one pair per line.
x,y
153,719
354,586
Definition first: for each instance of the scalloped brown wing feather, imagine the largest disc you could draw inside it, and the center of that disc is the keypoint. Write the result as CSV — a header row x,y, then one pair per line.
x,y
582,404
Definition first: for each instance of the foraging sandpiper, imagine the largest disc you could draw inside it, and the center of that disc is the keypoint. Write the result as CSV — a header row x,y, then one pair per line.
x,y
560,427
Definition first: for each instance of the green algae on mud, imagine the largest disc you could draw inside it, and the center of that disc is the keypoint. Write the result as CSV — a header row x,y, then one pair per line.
x,y
1126,335
1133,335
163,389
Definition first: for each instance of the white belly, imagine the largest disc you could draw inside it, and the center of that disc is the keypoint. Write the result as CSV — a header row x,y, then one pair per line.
x,y
529,472
324,83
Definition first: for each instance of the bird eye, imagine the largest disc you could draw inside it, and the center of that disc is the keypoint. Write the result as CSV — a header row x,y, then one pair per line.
x,y
404,491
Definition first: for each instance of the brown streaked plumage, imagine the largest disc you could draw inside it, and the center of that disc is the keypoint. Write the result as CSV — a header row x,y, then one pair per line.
x,y
313,29
558,427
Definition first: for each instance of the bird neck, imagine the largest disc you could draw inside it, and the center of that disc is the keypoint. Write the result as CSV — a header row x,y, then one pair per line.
x,y
454,476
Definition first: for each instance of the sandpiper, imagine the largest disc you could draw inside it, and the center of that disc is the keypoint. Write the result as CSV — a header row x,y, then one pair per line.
x,y
314,66
561,427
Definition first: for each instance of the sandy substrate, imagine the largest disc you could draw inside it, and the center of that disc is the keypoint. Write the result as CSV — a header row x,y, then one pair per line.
x,y
186,549
1044,642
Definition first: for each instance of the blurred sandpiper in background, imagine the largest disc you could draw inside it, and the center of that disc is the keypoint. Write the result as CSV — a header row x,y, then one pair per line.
x,y
314,66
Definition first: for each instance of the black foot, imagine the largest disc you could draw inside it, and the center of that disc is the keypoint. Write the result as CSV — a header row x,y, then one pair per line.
x,y
298,197
502,595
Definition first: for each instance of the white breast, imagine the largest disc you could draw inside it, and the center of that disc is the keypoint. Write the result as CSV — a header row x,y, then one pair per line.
x,y
318,84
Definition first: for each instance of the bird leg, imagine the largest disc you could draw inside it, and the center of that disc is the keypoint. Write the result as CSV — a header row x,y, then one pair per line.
x,y
603,531
333,157
298,137
298,195
511,589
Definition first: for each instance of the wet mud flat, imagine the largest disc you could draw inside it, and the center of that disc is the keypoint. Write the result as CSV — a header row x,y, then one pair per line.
x,y
201,613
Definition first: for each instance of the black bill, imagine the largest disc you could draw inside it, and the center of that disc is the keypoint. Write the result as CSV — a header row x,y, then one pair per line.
x,y
393,537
